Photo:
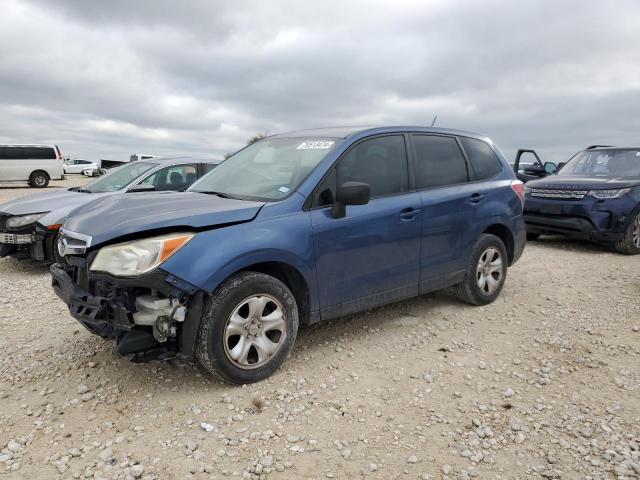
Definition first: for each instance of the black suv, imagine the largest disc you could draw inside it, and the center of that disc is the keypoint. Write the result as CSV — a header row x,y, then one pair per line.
x,y
595,196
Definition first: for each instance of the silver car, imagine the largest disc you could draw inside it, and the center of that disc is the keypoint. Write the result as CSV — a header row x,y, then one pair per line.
x,y
29,225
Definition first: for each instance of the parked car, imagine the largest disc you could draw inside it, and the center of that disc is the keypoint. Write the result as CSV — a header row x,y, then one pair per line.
x,y
292,229
93,171
76,166
531,168
36,164
595,196
30,225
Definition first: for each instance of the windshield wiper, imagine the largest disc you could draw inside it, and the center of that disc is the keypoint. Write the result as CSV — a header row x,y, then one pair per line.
x,y
219,194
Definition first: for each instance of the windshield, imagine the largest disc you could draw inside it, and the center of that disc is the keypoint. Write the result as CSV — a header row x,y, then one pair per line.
x,y
267,170
603,163
118,178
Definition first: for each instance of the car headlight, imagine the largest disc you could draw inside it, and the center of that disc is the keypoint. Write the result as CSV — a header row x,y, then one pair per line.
x,y
604,194
23,220
138,256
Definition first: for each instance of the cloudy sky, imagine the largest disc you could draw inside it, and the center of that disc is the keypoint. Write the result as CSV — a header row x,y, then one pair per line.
x,y
107,79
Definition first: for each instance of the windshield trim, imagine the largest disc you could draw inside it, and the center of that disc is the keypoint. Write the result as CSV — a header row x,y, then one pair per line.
x,y
337,142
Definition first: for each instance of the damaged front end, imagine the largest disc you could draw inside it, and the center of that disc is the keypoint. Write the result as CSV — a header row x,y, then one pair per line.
x,y
26,242
152,316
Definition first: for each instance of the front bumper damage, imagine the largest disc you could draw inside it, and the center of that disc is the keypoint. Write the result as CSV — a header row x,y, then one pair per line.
x,y
154,316
31,242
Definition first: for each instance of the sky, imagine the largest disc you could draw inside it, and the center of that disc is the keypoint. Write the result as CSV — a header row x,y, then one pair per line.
x,y
111,78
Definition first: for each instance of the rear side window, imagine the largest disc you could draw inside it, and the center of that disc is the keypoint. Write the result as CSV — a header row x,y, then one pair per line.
x,y
484,161
12,153
439,161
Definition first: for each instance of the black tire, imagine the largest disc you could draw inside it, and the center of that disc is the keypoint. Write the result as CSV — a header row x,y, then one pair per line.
x,y
210,343
531,237
39,179
629,243
469,291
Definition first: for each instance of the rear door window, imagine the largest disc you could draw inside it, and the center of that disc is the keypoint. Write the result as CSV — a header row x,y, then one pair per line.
x,y
175,177
484,161
12,153
438,161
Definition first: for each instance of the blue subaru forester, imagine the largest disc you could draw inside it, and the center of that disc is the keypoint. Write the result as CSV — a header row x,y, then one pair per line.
x,y
290,230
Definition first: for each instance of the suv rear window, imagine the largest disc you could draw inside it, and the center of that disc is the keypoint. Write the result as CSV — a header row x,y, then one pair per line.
x,y
484,161
439,161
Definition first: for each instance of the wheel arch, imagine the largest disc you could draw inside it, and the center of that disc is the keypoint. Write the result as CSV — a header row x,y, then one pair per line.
x,y
504,233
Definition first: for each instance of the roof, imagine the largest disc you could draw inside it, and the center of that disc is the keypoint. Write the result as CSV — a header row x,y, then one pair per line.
x,y
345,132
604,147
47,145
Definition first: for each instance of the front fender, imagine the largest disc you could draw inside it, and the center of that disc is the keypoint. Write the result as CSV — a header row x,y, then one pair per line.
x,y
212,256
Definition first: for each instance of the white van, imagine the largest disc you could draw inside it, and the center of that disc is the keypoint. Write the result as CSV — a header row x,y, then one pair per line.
x,y
36,164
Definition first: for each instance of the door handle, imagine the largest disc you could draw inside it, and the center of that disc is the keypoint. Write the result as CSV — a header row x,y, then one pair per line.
x,y
476,198
409,213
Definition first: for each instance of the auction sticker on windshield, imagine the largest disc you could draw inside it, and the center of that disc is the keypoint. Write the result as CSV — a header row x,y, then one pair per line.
x,y
315,145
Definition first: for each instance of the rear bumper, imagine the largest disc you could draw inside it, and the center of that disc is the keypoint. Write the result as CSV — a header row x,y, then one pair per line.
x,y
573,227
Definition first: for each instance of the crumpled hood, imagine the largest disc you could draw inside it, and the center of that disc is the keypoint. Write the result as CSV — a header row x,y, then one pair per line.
x,y
583,183
118,215
58,203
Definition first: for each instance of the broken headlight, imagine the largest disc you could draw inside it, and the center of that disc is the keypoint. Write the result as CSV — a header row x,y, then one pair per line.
x,y
23,220
138,256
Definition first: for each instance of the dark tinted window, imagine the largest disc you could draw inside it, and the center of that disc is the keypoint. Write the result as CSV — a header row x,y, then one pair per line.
x,y
39,153
380,162
484,161
12,153
439,161
175,177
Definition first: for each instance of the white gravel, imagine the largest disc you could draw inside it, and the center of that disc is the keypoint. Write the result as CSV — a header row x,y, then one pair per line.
x,y
545,383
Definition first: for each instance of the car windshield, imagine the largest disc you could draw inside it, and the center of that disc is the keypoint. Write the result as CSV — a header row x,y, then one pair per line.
x,y
267,170
118,178
604,163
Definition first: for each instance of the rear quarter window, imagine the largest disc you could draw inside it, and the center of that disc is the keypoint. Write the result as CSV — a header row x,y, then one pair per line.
x,y
484,161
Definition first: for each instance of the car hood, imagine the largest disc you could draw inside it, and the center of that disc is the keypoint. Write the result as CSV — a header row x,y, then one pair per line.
x,y
58,204
583,183
133,213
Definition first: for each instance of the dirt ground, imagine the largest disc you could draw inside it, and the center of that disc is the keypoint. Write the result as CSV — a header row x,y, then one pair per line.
x,y
544,383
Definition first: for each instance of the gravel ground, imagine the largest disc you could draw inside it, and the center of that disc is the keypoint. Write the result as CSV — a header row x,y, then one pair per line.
x,y
544,383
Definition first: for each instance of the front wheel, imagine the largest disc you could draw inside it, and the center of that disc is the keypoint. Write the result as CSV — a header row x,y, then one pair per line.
x,y
486,271
630,242
248,328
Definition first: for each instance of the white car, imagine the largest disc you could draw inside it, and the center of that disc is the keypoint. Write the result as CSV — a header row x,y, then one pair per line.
x,y
36,164
77,166
94,171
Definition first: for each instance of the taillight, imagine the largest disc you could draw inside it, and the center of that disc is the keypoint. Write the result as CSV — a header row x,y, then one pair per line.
x,y
58,154
518,187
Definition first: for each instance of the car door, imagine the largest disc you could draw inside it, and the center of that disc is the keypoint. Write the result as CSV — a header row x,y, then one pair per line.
x,y
369,257
442,180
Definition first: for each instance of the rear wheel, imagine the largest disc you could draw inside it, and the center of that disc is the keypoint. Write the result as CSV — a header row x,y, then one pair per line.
x,y
532,236
248,328
630,242
486,271
39,179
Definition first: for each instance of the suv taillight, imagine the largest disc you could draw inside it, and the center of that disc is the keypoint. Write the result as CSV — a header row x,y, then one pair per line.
x,y
518,187
59,155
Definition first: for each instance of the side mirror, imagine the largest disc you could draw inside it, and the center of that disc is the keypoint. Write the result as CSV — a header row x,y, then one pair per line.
x,y
142,187
550,168
350,193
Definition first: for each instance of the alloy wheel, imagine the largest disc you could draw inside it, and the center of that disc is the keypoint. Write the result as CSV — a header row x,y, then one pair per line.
x,y
255,331
636,231
489,271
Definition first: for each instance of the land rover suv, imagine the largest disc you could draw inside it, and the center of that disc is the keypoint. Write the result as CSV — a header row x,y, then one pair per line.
x,y
292,229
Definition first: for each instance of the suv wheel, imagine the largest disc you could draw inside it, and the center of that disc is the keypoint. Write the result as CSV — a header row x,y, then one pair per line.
x,y
39,179
486,271
248,328
630,242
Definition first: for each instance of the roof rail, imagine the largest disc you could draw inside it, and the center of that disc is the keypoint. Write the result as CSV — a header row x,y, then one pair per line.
x,y
590,147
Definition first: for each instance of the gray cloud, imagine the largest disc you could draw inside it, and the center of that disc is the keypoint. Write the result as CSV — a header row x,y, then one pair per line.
x,y
106,79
